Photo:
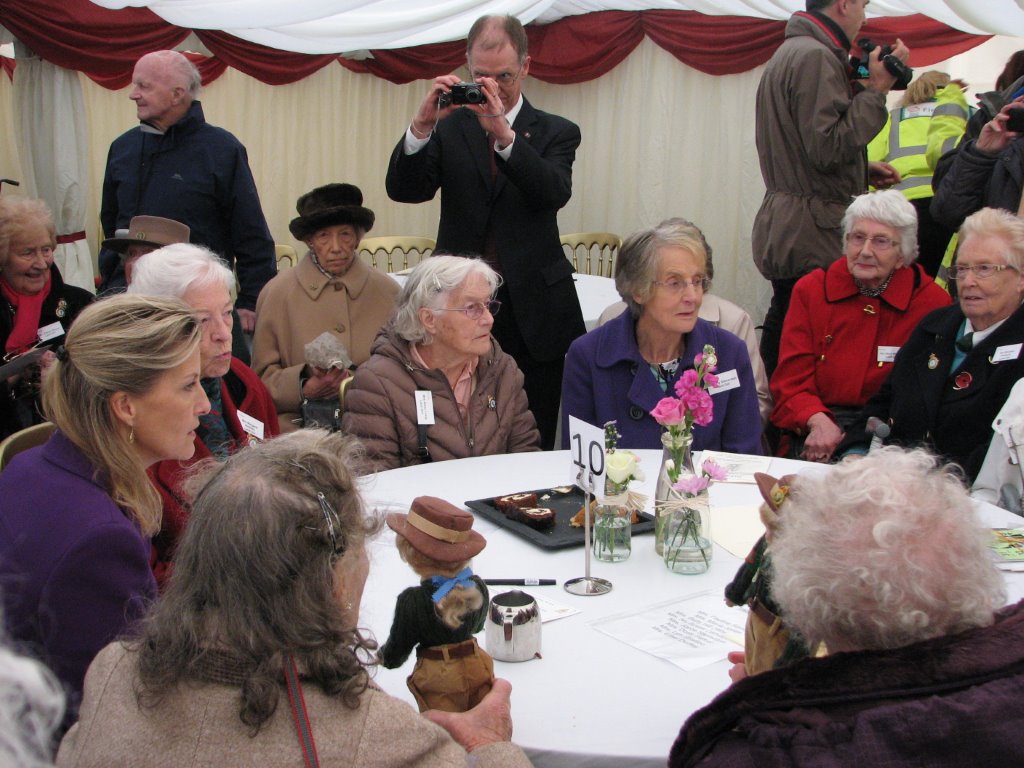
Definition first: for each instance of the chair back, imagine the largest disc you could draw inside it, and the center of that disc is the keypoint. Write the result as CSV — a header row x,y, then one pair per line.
x,y
593,253
286,256
394,254
24,439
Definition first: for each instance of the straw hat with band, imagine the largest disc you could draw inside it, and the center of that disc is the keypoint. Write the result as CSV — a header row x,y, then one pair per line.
x,y
330,205
152,231
439,530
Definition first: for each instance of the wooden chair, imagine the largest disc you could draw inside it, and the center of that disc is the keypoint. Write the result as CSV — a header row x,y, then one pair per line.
x,y
593,253
390,260
286,256
24,439
342,389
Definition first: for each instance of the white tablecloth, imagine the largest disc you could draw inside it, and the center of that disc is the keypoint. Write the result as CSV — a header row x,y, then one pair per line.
x,y
595,294
591,700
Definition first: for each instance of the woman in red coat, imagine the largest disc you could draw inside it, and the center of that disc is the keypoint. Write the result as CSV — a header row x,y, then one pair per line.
x,y
845,325
241,408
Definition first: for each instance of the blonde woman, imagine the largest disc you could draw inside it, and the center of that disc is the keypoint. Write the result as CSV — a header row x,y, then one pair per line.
x,y
76,514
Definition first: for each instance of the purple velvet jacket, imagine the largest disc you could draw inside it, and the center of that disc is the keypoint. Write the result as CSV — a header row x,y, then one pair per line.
x,y
955,701
606,378
74,570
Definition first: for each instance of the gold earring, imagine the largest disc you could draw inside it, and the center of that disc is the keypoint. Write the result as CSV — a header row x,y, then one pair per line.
x,y
131,436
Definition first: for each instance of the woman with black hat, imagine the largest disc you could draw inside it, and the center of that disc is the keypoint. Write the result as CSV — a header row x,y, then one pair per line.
x,y
331,290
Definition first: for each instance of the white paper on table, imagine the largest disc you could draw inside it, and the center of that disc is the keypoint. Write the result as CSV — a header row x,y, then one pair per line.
x,y
736,529
690,633
740,466
550,610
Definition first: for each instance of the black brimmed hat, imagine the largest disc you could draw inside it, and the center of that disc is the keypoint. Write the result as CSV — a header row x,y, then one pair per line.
x,y
330,205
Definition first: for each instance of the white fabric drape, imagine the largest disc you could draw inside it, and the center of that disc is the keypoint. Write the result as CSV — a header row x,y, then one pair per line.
x,y
336,26
52,141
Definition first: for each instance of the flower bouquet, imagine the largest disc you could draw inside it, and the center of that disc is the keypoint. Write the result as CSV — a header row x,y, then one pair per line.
x,y
687,533
691,406
613,516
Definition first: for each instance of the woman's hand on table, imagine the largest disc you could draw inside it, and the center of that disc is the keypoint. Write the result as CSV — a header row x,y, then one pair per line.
x,y
489,722
738,670
324,383
823,438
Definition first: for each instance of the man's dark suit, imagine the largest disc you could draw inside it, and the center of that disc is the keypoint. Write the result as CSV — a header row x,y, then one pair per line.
x,y
516,211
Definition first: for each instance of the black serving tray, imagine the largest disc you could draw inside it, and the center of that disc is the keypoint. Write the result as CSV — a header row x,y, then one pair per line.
x,y
564,503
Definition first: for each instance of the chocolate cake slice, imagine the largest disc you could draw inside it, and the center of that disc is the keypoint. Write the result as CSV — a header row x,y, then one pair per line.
x,y
540,518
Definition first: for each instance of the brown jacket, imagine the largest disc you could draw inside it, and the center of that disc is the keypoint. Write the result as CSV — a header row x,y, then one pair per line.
x,y
300,304
198,725
380,408
812,134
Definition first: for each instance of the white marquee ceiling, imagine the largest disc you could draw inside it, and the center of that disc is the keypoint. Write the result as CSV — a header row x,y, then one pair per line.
x,y
332,26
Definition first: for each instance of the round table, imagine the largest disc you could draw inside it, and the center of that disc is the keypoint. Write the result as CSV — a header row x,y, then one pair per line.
x,y
591,700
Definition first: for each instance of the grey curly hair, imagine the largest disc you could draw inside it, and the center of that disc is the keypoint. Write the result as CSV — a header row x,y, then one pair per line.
x,y
881,552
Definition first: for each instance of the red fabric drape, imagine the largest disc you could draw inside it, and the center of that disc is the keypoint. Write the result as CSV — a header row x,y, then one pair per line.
x,y
105,44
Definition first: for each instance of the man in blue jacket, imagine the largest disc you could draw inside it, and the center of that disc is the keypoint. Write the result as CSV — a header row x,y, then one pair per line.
x,y
176,165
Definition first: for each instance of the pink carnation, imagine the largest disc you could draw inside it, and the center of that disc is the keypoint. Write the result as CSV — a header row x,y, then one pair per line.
x,y
703,410
669,412
686,382
714,470
692,484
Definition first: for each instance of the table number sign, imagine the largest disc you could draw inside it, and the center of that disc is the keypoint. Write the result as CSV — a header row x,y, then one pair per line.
x,y
586,452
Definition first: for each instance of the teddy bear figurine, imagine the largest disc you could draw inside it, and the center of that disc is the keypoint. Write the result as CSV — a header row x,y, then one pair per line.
x,y
440,616
767,642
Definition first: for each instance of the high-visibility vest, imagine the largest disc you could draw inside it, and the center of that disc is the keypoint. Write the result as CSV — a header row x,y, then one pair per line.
x,y
911,134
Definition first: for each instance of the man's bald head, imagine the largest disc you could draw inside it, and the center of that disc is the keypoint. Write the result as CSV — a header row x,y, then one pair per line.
x,y
164,84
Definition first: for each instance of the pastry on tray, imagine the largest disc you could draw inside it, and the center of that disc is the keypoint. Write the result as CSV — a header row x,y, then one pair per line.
x,y
508,504
540,518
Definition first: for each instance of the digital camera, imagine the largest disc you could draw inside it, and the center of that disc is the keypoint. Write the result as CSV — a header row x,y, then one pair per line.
x,y
896,68
464,93
1015,120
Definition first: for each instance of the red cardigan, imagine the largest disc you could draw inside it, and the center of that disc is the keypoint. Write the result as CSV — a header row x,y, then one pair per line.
x,y
829,353
241,390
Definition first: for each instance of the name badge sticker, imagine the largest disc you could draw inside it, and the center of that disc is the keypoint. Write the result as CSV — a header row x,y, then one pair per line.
x,y
424,407
726,380
51,331
251,425
1003,353
887,354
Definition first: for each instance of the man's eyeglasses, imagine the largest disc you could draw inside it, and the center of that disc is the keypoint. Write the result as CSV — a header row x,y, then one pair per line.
x,y
675,286
878,242
981,271
504,79
476,310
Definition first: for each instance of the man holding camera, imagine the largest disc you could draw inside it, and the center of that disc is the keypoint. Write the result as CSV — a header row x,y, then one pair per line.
x,y
813,125
504,170
987,171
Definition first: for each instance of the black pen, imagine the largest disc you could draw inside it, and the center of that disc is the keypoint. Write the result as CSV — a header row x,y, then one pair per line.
x,y
521,582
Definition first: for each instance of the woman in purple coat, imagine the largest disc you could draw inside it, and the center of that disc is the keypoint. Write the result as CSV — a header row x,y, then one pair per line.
x,y
621,370
76,514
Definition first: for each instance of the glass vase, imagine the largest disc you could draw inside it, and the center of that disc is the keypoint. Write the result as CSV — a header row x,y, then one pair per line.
x,y
675,453
613,533
686,534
